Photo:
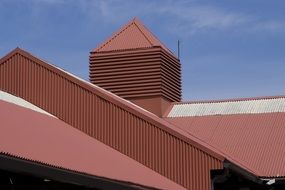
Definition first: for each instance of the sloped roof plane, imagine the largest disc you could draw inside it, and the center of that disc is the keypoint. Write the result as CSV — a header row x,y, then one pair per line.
x,y
249,131
47,140
4,96
134,35
133,131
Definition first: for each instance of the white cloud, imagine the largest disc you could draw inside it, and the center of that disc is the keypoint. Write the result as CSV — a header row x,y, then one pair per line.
x,y
42,1
272,26
185,17
191,18
205,16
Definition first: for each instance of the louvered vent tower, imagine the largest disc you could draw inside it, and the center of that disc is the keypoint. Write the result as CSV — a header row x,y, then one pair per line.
x,y
136,66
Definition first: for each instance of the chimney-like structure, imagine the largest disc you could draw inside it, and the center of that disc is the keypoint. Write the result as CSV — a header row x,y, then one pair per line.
x,y
136,66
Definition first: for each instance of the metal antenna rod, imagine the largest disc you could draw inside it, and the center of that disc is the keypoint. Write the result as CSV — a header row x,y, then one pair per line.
x,y
178,46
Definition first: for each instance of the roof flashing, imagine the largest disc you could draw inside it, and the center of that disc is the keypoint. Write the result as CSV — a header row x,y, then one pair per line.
x,y
4,96
254,106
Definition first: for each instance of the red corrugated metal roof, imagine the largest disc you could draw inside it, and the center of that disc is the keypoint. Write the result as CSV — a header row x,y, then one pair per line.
x,y
45,139
254,141
134,35
120,102
126,131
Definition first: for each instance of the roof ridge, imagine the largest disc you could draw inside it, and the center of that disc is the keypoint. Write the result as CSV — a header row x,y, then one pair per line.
x,y
65,132
114,35
9,54
230,100
140,36
124,104
138,24
226,155
156,38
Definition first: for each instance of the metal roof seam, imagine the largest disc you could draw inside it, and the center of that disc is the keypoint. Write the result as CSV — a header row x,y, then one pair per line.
x,y
97,49
143,33
82,80
46,153
37,161
113,37
149,39
226,156
4,96
162,45
72,170
128,106
199,139
254,141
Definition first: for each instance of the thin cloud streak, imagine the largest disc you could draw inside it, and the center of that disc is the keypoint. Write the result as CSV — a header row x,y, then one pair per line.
x,y
186,18
272,26
192,18
195,19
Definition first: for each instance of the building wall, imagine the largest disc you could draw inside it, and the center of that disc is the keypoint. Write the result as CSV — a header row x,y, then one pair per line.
x,y
105,119
139,75
155,104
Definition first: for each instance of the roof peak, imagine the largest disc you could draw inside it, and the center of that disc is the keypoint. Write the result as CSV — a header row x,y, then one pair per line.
x,y
133,35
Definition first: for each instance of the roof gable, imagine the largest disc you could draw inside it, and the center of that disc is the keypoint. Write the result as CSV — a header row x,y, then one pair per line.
x,y
134,35
112,98
89,108
50,141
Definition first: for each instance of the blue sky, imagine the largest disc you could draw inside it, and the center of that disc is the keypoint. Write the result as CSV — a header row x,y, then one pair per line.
x,y
229,49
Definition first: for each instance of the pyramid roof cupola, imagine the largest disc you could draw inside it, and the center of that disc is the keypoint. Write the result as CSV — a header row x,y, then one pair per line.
x,y
137,66
133,35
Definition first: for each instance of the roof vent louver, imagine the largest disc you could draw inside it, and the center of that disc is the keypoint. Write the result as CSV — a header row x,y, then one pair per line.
x,y
135,65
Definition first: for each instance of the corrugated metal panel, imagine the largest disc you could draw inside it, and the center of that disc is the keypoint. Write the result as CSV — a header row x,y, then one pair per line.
x,y
29,137
271,105
134,35
253,141
137,73
102,115
21,102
